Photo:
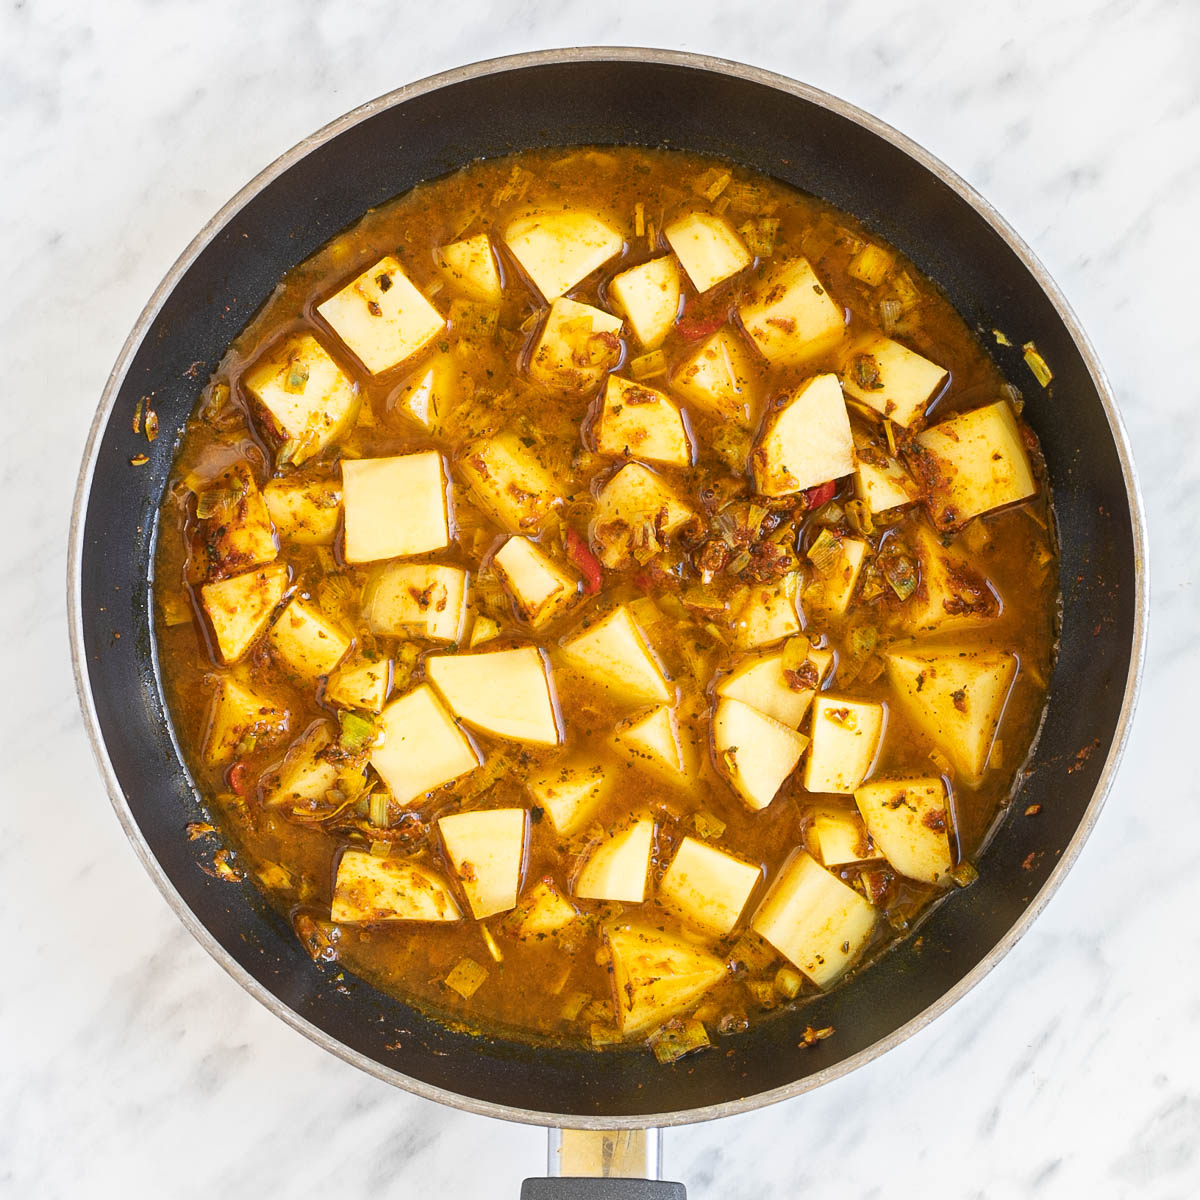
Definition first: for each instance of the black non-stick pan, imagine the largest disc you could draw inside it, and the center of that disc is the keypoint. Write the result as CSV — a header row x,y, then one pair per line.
x,y
651,98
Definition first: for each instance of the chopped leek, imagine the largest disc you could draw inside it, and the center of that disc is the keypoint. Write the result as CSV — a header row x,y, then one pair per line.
x,y
677,1038
466,977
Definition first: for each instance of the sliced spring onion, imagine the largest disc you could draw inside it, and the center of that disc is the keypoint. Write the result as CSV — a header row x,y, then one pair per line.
x,y
825,553
490,942
466,977
788,982
1037,364
707,825
677,1038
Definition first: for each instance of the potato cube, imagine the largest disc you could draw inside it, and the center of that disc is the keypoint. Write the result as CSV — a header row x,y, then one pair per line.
x,y
636,512
841,838
650,740
308,399
304,512
805,441
370,889
510,483
238,608
719,378
974,462
540,588
561,248
361,680
829,591
542,912
613,653
570,792
307,641
768,614
487,850
503,692
422,746
789,316
239,716
707,247
816,921
891,379
951,594
845,739
416,600
470,266
430,394
881,482
616,867
577,344
755,753
233,525
395,507
760,682
956,697
708,887
312,783
908,821
483,629
648,295
636,421
382,317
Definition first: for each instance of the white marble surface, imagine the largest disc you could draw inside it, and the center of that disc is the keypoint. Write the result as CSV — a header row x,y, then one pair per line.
x,y
132,1066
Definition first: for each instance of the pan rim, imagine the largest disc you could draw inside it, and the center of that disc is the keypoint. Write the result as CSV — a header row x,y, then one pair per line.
x,y
713,65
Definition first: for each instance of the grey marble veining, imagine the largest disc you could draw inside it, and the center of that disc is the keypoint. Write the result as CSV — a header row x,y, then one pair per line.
x,y
132,1066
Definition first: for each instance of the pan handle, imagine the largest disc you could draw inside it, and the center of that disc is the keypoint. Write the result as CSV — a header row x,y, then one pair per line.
x,y
603,1164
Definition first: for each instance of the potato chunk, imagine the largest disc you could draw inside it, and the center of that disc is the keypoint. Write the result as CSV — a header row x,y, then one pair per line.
x,y
648,295
311,781
718,378
951,594
417,600
708,887
616,868
881,482
309,401
640,422
306,641
509,482
237,715
238,608
613,653
806,440
768,614
908,821
841,838
370,889
233,525
835,575
636,512
789,316
570,792
561,248
422,746
707,247
577,344
395,507
845,739
487,850
759,681
816,921
974,462
504,692
470,266
382,317
430,394
540,588
304,512
361,680
542,912
656,975
755,753
650,740
956,697
891,379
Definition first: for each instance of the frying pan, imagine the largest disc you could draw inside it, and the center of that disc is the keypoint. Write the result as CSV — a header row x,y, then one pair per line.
x,y
653,98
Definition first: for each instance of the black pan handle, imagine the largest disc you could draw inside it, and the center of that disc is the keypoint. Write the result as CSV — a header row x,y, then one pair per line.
x,y
582,1188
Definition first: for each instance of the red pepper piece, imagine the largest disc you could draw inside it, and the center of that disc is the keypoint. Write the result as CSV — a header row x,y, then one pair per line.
x,y
579,552
821,494
692,327
239,778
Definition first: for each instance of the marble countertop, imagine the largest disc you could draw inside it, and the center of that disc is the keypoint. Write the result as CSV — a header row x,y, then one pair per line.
x,y
133,1066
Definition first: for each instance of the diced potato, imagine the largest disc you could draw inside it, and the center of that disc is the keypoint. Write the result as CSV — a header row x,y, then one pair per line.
x,y
760,682
640,422
891,379
238,714
471,267
361,680
239,608
707,247
845,739
842,838
540,588
813,919
636,511
569,793
656,975
718,378
753,751
956,696
307,641
975,462
430,394
313,783
767,615
507,479
908,821
370,888
951,593
417,600
577,344
542,912
382,317
422,746
483,629
504,692
708,887
881,482
308,399
304,511
561,248
648,295
806,440
650,740
829,591
395,507
613,652
487,850
616,868
789,316
236,534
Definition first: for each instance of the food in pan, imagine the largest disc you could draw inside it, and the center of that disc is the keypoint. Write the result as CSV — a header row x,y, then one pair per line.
x,y
606,596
